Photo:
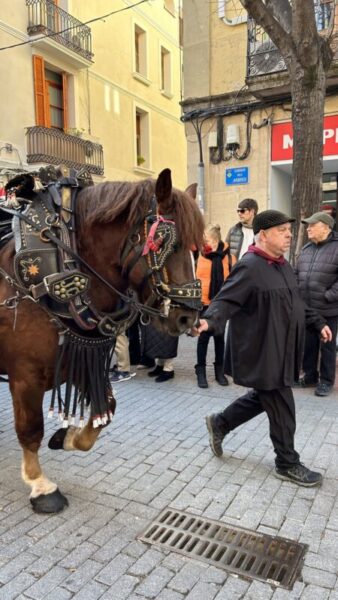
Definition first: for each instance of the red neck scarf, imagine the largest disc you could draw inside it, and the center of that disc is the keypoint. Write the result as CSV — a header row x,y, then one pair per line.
x,y
270,259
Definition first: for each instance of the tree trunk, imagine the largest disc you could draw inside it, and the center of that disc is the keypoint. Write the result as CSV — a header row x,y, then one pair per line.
x,y
308,86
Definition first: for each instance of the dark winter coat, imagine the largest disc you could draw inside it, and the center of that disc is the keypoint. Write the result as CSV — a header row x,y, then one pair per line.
x,y
235,239
156,344
267,322
317,275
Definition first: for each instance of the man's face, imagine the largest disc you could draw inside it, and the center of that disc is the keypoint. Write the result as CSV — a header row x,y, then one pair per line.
x,y
318,232
246,215
277,239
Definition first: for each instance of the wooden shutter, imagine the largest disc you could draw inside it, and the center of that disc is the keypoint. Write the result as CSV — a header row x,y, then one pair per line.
x,y
41,108
65,100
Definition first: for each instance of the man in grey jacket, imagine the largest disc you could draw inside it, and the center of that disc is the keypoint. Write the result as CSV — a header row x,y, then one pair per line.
x,y
240,236
317,275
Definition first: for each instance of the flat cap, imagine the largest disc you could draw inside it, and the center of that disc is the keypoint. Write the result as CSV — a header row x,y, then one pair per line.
x,y
269,218
320,217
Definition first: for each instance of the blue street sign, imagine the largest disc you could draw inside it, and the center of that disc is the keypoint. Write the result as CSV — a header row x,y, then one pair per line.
x,y
237,176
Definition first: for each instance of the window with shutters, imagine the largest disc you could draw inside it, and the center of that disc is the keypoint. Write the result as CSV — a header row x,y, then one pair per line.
x,y
51,101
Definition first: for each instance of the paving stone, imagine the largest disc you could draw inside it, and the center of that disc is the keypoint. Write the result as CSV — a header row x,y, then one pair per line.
x,y
115,569
154,583
154,455
186,578
319,577
46,583
203,591
16,586
312,592
121,589
144,565
259,591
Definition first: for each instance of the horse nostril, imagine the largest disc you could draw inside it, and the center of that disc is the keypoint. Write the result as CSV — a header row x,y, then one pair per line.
x,y
185,322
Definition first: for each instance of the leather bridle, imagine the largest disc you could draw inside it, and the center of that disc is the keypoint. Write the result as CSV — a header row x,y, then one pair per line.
x,y
159,243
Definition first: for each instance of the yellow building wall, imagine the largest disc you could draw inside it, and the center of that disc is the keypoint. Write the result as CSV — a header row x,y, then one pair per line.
x,y
103,97
228,46
115,91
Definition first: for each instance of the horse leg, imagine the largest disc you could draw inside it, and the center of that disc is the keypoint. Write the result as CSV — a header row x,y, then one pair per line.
x,y
45,496
75,438
79,438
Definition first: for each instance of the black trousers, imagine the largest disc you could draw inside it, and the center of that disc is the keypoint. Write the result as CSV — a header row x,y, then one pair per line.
x,y
318,354
279,406
202,348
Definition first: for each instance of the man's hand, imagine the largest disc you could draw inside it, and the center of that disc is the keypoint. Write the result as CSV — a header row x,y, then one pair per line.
x,y
326,334
202,326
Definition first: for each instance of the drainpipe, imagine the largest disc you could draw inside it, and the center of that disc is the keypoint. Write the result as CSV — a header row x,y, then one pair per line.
x,y
200,180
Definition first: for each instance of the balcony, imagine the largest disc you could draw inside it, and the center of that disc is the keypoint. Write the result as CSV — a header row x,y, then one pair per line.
x,y
66,35
266,69
52,146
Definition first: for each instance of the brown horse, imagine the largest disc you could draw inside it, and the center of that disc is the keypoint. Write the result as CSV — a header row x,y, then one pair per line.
x,y
110,219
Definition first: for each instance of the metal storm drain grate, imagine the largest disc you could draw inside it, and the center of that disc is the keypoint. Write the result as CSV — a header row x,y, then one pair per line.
x,y
275,560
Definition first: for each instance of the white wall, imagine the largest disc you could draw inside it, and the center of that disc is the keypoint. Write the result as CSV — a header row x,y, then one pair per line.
x,y
280,190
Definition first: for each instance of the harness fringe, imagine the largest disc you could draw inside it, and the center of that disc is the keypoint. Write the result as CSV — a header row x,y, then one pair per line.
x,y
87,362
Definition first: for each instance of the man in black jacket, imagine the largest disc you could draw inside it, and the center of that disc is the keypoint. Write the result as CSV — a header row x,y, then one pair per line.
x,y
317,275
262,299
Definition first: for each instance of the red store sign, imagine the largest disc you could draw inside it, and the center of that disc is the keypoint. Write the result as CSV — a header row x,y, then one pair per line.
x,y
282,139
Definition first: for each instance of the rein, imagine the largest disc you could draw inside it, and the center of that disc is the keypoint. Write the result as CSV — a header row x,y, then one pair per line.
x,y
47,233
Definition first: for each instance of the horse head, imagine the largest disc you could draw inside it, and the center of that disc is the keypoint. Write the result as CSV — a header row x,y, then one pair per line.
x,y
148,231
173,231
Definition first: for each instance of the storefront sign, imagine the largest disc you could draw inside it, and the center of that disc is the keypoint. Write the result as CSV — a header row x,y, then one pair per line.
x,y
282,139
237,176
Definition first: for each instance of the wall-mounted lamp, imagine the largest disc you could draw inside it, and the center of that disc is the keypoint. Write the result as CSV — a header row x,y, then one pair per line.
x,y
9,148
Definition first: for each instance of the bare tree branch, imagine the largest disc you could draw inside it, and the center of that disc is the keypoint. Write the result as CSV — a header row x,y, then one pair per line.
x,y
281,10
259,11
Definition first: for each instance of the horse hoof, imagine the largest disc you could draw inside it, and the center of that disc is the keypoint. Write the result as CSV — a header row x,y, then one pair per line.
x,y
56,441
49,503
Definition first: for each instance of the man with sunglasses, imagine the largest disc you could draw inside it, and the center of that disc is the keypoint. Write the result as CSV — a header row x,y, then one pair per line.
x,y
240,236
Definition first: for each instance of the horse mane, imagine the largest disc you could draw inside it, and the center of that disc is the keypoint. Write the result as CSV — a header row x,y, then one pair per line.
x,y
108,201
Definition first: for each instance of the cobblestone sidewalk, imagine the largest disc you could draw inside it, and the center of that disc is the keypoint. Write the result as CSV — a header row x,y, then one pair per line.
x,y
155,454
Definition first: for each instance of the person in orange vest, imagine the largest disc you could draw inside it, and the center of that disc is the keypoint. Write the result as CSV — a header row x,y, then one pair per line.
x,y
213,267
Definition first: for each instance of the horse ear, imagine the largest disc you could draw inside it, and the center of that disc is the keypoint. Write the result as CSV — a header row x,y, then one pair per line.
x,y
163,185
192,190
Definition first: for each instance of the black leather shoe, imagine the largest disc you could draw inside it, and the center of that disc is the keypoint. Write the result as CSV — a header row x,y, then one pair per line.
x,y
157,371
165,376
216,437
323,389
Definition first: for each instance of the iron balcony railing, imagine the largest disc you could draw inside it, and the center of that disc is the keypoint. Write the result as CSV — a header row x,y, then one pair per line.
x,y
54,147
45,17
263,56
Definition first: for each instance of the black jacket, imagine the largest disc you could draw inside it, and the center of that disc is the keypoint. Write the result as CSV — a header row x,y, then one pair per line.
x,y
267,322
317,275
